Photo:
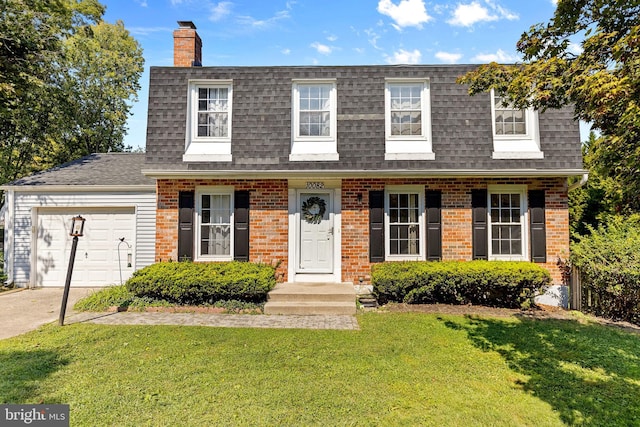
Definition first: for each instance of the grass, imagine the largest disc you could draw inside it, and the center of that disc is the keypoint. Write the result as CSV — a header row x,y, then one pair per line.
x,y
399,369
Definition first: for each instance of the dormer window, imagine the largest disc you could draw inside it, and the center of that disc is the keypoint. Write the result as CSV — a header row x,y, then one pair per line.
x,y
208,136
408,120
314,121
515,131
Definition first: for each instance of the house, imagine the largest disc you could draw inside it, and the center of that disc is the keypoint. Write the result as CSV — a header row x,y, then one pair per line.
x,y
110,192
326,170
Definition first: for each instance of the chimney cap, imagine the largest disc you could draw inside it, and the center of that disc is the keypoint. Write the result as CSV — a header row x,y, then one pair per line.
x,y
187,24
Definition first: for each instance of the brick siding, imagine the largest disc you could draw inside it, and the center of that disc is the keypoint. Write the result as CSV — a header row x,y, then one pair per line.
x,y
269,219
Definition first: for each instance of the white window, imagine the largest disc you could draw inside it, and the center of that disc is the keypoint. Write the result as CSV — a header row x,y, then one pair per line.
x,y
408,120
404,223
214,223
208,136
314,121
507,219
515,132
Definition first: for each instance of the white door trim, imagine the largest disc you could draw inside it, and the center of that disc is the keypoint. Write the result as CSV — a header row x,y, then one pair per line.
x,y
335,192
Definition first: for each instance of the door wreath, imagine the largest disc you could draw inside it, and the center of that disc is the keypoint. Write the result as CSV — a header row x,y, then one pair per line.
x,y
313,209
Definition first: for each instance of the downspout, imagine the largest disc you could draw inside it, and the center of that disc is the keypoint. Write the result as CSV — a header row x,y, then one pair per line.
x,y
583,181
9,217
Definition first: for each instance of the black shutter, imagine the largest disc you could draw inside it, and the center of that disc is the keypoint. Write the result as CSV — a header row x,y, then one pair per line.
x,y
433,206
241,226
376,226
479,227
538,233
185,225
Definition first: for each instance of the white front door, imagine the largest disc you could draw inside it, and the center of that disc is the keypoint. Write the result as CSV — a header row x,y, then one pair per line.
x,y
316,232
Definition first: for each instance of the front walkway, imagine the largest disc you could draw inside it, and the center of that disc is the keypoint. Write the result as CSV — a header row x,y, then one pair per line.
x,y
344,322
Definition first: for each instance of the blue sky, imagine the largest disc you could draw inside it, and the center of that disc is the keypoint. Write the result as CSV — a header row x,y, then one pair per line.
x,y
327,32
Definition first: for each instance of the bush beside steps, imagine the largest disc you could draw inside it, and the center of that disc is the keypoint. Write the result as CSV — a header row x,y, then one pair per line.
x,y
507,284
183,286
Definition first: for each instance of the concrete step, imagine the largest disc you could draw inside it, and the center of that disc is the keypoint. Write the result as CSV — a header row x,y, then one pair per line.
x,y
311,308
311,298
312,292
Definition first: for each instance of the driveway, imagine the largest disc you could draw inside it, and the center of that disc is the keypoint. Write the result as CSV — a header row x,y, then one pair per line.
x,y
25,310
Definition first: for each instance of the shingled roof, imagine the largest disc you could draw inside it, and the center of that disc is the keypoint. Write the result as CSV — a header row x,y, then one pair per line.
x,y
99,169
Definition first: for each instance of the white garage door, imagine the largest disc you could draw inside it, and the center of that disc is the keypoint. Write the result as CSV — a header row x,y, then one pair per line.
x,y
96,262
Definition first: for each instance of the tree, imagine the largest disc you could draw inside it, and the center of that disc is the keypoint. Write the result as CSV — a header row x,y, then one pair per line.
x,y
101,81
64,74
602,81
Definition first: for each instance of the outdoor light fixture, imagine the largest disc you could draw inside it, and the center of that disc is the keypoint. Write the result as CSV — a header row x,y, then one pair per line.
x,y
77,227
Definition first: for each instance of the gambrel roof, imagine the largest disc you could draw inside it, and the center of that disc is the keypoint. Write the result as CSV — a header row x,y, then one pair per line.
x,y
262,124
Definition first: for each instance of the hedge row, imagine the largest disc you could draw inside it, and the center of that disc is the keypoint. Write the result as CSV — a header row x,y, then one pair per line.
x,y
492,283
609,263
203,283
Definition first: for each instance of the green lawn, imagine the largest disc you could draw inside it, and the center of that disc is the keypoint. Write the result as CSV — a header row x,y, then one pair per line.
x,y
399,369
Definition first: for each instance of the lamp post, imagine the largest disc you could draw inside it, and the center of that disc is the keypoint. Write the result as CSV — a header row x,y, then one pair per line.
x,y
77,226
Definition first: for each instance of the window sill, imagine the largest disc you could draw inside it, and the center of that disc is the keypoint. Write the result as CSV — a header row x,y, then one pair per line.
x,y
517,155
314,157
206,158
409,156
208,152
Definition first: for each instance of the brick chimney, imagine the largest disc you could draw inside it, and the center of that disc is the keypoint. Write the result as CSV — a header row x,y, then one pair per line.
x,y
187,46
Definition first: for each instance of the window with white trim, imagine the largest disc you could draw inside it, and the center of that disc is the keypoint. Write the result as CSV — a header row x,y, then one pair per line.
x,y
214,223
507,219
515,131
208,136
404,222
407,119
314,120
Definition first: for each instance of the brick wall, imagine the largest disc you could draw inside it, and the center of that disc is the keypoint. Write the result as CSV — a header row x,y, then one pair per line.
x,y
456,219
269,219
268,222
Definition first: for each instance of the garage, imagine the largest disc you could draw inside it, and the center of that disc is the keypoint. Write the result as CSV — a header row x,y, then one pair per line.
x,y
100,256
110,192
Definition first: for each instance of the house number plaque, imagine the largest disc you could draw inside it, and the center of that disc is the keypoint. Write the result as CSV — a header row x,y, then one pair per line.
x,y
315,185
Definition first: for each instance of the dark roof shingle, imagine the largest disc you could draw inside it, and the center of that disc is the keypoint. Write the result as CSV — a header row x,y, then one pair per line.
x,y
100,169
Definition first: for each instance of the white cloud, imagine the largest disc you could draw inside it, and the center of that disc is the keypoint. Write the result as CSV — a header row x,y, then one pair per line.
x,y
322,48
332,37
249,21
466,15
448,58
502,12
404,57
500,56
220,10
285,51
554,2
372,37
145,31
407,13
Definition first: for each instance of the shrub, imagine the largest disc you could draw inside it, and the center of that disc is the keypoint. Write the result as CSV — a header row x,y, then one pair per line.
x,y
203,283
116,296
609,263
492,283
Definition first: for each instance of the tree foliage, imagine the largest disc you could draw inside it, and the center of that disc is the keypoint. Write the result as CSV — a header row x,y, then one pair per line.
x,y
601,79
67,80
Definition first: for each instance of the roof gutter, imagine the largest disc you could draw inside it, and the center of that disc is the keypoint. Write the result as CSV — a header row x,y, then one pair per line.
x,y
583,181
30,188
332,173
